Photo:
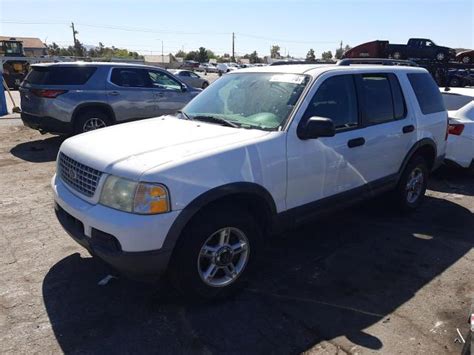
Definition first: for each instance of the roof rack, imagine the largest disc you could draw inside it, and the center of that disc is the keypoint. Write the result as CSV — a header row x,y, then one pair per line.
x,y
381,61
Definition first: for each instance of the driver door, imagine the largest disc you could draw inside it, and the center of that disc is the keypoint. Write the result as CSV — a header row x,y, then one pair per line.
x,y
170,95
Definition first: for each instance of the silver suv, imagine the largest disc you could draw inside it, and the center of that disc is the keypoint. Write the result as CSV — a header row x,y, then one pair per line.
x,y
67,98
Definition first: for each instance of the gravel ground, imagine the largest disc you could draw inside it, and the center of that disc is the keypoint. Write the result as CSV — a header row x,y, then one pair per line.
x,y
360,281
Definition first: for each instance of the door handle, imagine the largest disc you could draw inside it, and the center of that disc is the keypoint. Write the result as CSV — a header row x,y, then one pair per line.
x,y
408,129
113,93
356,142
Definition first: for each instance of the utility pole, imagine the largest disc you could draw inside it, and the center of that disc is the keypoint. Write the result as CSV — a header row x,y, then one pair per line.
x,y
74,32
233,46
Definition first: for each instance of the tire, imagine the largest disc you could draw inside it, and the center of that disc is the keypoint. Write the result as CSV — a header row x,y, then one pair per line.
x,y
408,198
440,57
86,121
466,59
205,85
396,55
454,82
189,263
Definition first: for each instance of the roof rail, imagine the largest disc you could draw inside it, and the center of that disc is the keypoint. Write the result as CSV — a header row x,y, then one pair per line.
x,y
382,61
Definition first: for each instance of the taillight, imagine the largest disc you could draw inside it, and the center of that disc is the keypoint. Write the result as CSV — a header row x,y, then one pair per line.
x,y
49,94
455,129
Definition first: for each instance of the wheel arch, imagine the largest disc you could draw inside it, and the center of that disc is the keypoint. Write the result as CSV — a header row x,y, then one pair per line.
x,y
93,105
249,195
426,147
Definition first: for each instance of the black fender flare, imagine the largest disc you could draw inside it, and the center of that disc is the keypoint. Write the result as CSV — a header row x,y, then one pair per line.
x,y
203,200
421,143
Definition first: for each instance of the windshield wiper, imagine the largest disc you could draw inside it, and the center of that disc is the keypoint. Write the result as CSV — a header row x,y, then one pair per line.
x,y
184,114
216,120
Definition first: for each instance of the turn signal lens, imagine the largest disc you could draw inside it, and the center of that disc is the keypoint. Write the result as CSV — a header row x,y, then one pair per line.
x,y
455,129
151,199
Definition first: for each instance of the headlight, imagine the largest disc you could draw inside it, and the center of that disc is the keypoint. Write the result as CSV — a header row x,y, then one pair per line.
x,y
135,197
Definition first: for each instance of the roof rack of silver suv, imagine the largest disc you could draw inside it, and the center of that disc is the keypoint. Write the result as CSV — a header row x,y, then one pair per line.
x,y
382,61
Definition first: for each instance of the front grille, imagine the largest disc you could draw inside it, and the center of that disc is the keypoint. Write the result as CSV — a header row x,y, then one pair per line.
x,y
79,176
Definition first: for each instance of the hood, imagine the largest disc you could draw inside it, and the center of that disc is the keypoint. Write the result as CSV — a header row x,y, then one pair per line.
x,y
130,149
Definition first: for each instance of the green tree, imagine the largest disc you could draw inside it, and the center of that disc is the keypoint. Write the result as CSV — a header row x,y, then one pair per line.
x,y
202,55
310,56
275,51
254,58
53,49
340,51
210,54
180,54
326,55
193,55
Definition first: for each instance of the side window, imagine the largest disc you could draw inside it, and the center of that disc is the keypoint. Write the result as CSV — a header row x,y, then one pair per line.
x,y
427,93
193,75
399,104
129,77
161,80
335,99
376,98
184,73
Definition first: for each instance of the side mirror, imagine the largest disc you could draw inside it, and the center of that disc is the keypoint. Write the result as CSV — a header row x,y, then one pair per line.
x,y
184,88
316,127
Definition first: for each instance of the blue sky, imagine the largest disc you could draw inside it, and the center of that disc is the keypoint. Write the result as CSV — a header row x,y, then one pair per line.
x,y
294,25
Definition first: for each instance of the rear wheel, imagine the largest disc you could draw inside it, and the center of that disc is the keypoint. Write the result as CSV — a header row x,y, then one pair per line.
x,y
215,254
411,188
205,84
440,56
91,120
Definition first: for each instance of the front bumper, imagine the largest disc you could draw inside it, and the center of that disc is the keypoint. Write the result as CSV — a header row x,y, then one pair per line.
x,y
46,124
132,244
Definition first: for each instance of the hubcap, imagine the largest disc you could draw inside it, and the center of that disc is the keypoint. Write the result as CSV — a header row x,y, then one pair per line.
x,y
440,56
92,124
414,185
223,257
466,60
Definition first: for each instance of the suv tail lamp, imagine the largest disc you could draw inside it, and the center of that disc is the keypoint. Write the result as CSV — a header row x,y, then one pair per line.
x,y
49,94
455,129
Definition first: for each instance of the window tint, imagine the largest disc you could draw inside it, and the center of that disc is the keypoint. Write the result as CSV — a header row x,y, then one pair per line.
x,y
163,81
335,99
60,75
183,73
129,77
399,105
427,93
376,98
193,75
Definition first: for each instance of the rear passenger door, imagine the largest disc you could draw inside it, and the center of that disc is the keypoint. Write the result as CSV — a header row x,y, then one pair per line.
x,y
389,127
129,93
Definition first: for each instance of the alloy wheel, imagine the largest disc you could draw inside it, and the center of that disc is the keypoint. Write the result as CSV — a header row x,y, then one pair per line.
x,y
223,257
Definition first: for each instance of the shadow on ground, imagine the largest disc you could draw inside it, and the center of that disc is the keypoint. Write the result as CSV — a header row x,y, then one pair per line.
x,y
39,151
453,180
333,277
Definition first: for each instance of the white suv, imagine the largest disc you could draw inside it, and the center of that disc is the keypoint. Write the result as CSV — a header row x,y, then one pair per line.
x,y
261,149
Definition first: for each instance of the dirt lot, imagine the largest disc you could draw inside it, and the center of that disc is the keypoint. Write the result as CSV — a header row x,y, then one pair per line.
x,y
361,281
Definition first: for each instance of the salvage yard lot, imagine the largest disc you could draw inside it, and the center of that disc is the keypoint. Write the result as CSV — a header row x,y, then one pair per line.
x,y
360,280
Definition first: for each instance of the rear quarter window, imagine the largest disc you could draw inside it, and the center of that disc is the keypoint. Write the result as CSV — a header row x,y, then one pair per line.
x,y
427,93
60,75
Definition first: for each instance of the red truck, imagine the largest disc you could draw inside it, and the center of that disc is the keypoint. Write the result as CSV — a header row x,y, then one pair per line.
x,y
416,48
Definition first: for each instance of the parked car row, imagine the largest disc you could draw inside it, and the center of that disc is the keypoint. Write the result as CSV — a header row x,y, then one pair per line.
x,y
195,193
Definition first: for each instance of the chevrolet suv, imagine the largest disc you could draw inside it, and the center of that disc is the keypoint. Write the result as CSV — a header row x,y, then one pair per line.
x,y
262,149
71,98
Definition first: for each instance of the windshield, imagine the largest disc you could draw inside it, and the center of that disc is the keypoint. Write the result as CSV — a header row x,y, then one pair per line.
x,y
249,100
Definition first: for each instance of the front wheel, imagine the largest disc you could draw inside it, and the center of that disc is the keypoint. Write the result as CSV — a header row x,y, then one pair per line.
x,y
215,254
466,59
411,188
205,84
